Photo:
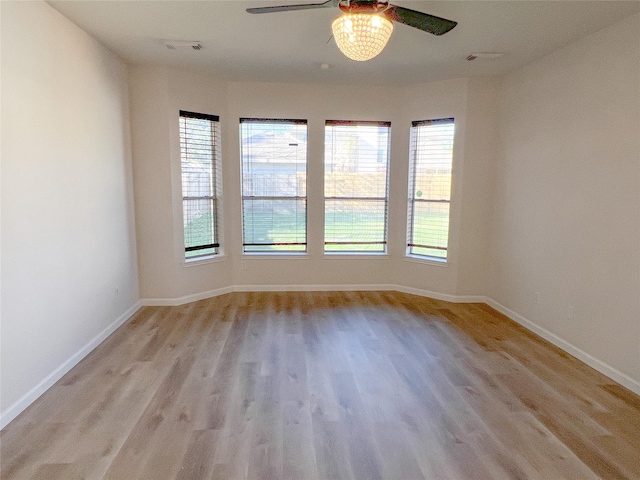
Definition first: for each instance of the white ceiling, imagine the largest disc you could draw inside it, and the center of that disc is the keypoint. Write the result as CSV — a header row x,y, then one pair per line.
x,y
291,46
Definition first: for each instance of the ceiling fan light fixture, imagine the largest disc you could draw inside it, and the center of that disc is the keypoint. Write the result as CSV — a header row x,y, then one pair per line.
x,y
361,36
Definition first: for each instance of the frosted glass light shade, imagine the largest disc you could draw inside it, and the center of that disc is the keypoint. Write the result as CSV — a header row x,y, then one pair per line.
x,y
361,36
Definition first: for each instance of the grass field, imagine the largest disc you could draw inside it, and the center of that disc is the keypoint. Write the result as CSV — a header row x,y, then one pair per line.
x,y
342,227
199,232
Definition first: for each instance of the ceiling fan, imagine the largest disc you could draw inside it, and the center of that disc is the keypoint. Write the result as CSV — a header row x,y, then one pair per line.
x,y
422,21
365,26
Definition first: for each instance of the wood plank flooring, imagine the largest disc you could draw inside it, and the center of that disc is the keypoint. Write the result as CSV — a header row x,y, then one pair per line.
x,y
340,385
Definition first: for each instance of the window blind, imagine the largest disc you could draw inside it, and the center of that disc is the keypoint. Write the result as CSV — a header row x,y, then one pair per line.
x,y
274,185
199,158
430,187
356,185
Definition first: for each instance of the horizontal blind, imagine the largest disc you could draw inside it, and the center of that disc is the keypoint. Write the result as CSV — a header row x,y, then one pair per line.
x,y
274,185
430,187
356,185
199,158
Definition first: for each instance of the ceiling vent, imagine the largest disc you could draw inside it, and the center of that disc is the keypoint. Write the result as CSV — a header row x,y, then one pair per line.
x,y
485,55
180,44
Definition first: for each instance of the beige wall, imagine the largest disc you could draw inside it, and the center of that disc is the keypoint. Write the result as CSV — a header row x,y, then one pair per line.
x,y
477,188
157,96
159,93
68,239
567,198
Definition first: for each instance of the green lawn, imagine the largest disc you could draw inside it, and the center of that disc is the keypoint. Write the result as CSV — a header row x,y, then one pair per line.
x,y
431,227
199,232
339,227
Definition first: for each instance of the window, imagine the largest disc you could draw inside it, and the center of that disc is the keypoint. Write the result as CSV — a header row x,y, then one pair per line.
x,y
274,185
431,156
199,163
356,167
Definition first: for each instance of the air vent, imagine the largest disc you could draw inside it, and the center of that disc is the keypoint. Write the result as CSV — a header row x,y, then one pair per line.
x,y
485,55
179,44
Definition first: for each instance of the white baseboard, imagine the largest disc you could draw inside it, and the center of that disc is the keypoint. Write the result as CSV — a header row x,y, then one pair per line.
x,y
161,302
593,362
442,296
32,395
559,342
174,302
23,402
313,288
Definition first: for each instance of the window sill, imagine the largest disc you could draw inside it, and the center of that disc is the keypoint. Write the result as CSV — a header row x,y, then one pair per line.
x,y
192,262
436,262
355,256
275,255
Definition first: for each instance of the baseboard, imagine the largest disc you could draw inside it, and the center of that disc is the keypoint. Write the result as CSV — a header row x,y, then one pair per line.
x,y
313,288
442,296
174,302
581,355
32,395
23,402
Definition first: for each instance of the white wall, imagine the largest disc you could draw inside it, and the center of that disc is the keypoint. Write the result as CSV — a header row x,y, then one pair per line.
x,y
473,104
422,102
157,96
159,93
567,199
477,188
68,238
318,103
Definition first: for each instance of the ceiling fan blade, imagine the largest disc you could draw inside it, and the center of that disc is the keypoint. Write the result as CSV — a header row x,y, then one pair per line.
x,y
422,21
285,8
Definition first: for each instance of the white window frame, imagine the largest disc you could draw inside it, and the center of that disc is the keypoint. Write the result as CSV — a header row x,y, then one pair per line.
x,y
329,125
212,249
415,197
272,248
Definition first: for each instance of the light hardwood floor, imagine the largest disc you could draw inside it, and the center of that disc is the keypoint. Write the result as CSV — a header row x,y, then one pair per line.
x,y
353,385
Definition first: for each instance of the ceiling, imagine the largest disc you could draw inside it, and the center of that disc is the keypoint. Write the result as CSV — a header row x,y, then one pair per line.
x,y
291,46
